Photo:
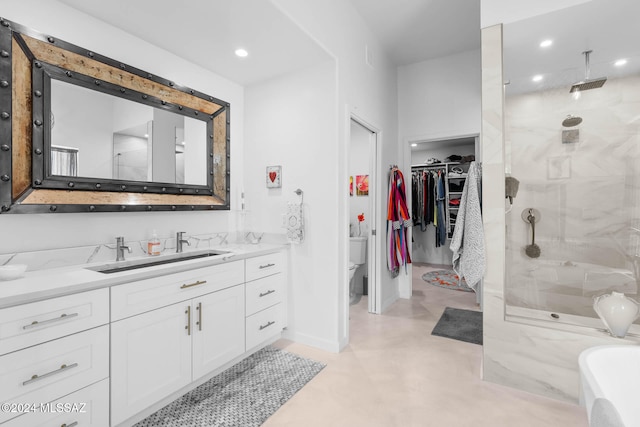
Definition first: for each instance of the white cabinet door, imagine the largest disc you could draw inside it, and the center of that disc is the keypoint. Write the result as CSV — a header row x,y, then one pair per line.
x,y
150,358
218,329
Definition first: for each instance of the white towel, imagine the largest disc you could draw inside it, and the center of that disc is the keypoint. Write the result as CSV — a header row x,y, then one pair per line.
x,y
467,242
294,223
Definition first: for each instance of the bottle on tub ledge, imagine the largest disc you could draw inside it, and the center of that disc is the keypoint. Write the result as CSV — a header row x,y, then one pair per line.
x,y
617,312
153,245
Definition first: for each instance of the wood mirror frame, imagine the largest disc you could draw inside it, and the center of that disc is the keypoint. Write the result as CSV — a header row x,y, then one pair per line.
x,y
25,134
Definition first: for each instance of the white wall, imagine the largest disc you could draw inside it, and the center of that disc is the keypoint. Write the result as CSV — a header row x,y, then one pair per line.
x,y
306,148
33,232
440,98
370,92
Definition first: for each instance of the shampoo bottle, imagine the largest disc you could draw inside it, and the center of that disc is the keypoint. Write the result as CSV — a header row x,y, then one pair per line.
x,y
153,246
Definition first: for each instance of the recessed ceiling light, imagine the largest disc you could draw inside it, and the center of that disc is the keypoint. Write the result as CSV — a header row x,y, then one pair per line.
x,y
537,78
546,43
620,62
414,145
146,135
242,53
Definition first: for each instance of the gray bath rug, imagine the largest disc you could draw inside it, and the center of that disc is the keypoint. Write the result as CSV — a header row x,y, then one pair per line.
x,y
446,279
460,324
244,395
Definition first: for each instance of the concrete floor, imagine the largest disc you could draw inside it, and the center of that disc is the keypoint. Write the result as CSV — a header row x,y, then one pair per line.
x,y
395,373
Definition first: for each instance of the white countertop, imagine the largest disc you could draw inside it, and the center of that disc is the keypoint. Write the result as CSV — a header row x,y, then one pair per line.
x,y
50,283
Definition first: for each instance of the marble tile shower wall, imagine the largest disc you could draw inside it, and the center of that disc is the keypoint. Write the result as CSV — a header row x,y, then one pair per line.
x,y
106,252
588,193
531,357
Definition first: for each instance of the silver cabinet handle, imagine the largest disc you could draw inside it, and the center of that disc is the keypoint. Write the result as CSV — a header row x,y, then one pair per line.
x,y
73,424
188,313
267,325
35,323
36,377
264,294
266,266
196,283
199,322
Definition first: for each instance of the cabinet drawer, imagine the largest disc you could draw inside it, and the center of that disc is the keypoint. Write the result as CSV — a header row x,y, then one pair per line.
x,y
48,371
30,324
264,265
86,407
145,295
263,293
264,325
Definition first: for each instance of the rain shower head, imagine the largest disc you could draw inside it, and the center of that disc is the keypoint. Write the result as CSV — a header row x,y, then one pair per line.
x,y
571,121
587,83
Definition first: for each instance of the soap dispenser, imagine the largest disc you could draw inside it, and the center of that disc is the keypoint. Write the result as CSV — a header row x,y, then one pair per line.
x,y
153,246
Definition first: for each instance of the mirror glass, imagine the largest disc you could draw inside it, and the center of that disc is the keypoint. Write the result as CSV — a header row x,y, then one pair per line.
x,y
96,135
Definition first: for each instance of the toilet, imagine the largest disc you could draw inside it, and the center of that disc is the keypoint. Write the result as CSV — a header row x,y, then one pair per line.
x,y
357,257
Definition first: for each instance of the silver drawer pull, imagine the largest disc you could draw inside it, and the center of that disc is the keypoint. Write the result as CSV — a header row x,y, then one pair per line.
x,y
63,368
199,282
267,325
73,424
264,294
199,322
266,266
35,323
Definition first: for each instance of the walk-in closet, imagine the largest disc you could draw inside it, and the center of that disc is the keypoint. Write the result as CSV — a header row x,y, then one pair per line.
x,y
438,175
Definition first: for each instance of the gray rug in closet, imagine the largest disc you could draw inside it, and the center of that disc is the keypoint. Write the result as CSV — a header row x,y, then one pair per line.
x,y
244,395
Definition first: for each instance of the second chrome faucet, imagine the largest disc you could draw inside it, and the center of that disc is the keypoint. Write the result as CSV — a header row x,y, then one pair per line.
x,y
120,247
180,240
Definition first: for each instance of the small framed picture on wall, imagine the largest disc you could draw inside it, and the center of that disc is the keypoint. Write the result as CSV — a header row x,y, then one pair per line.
x,y
274,176
362,185
351,186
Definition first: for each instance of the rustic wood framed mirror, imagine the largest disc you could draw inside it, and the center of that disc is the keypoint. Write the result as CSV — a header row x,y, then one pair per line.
x,y
80,132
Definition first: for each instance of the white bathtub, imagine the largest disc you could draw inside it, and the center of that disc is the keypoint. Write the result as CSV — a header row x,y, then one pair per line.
x,y
612,372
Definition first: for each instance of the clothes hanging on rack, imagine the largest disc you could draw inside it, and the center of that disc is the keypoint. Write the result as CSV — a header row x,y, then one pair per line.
x,y
429,198
418,197
398,222
441,226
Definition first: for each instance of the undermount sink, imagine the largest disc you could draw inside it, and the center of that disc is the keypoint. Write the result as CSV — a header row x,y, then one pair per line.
x,y
117,267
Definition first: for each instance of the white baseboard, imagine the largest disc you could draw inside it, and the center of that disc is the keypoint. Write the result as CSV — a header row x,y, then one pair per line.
x,y
322,344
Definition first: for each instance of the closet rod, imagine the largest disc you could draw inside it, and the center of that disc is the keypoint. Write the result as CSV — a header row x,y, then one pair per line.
x,y
422,167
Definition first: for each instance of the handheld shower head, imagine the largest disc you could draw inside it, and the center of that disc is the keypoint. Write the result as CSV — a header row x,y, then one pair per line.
x,y
587,83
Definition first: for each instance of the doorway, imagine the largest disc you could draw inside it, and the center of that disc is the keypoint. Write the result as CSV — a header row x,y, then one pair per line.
x,y
442,156
362,170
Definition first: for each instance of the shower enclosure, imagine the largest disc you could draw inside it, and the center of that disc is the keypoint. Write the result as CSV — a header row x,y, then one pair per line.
x,y
576,155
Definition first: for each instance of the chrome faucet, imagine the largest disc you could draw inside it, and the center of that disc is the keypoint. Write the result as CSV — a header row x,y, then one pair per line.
x,y
180,240
120,247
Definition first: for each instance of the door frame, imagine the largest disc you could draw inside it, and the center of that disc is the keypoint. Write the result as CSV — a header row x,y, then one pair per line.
x,y
406,285
373,214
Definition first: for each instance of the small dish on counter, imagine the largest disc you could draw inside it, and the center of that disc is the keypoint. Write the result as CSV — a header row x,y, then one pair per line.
x,y
12,271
